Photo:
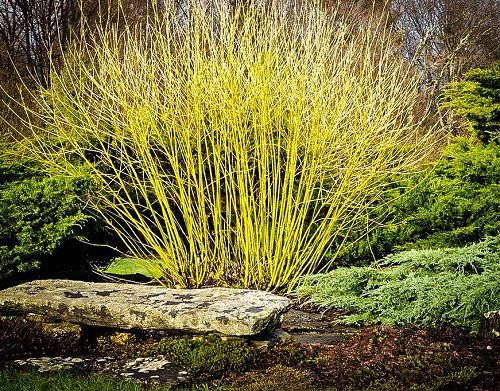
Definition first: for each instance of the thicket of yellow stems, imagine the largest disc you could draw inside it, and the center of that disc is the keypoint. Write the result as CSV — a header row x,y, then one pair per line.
x,y
232,144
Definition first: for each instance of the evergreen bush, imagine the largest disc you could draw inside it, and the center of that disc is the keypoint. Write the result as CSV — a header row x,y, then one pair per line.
x,y
38,215
455,203
416,287
477,99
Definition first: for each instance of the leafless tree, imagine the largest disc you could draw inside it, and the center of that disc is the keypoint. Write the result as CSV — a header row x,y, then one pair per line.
x,y
32,32
445,38
35,33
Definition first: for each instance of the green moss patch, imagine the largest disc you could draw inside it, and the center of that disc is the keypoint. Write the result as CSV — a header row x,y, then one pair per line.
x,y
207,356
275,378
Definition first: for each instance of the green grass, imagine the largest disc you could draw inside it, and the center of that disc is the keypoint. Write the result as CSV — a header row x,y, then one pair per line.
x,y
31,381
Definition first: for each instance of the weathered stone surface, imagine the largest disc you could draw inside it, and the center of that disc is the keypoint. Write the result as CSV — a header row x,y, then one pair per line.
x,y
149,370
297,321
308,327
122,338
277,336
53,364
490,325
38,318
128,306
62,331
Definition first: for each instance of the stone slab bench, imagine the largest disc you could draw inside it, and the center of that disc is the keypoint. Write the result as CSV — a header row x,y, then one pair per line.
x,y
240,312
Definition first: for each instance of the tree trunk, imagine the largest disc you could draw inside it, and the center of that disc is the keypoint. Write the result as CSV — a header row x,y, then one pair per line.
x,y
490,325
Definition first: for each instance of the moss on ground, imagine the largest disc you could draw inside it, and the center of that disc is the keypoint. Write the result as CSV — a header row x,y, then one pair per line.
x,y
206,356
276,378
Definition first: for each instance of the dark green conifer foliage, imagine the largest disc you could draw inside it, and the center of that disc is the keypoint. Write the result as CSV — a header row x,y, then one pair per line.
x,y
477,99
38,214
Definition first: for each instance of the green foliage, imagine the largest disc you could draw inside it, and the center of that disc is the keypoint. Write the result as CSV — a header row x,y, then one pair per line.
x,y
208,356
477,99
38,214
233,170
378,358
419,287
458,200
455,203
456,377
23,381
130,266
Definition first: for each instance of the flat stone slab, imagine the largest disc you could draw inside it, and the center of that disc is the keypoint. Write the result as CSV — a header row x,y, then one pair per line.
x,y
308,327
241,312
149,370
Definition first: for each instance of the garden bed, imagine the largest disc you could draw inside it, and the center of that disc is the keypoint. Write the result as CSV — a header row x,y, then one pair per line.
x,y
359,358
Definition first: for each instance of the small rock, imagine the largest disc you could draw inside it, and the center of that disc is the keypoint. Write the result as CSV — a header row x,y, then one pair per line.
x,y
155,370
298,320
146,370
53,364
276,337
280,335
39,318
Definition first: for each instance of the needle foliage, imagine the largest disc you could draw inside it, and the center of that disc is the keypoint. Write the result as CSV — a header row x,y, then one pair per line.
x,y
232,142
416,287
40,215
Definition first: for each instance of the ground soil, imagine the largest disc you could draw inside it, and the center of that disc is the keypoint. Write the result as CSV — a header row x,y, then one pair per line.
x,y
315,353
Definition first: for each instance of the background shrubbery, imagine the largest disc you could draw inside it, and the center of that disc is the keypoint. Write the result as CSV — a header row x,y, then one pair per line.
x,y
477,99
455,201
37,214
43,220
